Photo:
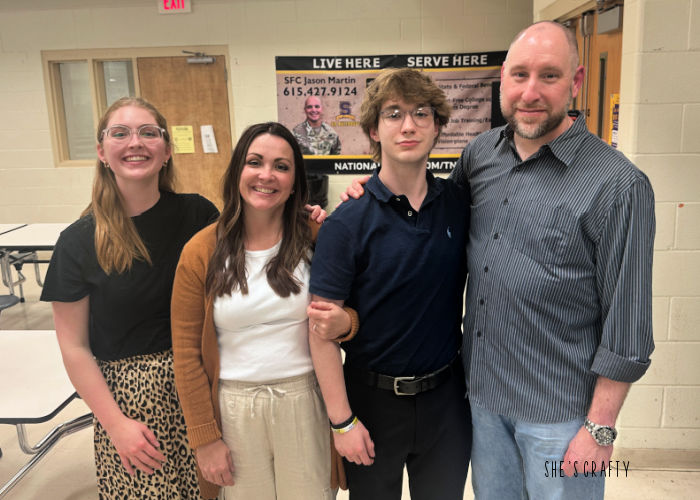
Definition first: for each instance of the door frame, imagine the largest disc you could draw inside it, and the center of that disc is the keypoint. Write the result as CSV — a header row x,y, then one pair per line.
x,y
594,48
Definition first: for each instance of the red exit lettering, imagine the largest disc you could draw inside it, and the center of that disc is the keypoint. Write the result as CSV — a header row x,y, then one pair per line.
x,y
173,4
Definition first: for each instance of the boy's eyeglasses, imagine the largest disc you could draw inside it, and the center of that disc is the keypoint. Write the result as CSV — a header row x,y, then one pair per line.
x,y
422,117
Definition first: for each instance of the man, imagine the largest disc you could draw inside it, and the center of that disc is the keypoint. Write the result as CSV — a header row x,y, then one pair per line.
x,y
314,135
558,308
397,257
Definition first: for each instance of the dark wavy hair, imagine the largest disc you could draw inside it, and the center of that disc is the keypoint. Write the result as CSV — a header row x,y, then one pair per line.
x,y
226,271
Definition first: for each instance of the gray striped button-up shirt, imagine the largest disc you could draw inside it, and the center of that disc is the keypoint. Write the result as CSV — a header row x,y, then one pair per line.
x,y
559,257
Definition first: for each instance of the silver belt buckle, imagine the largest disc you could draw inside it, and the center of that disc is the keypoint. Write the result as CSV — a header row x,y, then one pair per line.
x,y
396,385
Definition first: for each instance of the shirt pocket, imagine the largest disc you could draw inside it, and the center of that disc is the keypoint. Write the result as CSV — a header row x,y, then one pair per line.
x,y
544,232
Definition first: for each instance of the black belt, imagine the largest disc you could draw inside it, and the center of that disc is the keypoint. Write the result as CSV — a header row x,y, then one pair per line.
x,y
405,386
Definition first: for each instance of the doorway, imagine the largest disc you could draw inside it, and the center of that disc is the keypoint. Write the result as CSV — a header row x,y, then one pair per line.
x,y
599,36
192,95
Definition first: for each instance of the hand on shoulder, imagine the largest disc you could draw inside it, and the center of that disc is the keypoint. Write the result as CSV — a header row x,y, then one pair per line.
x,y
354,190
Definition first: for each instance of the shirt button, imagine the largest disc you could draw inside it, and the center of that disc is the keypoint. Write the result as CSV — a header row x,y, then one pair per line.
x,y
410,213
505,202
398,199
486,269
495,236
518,169
481,302
478,334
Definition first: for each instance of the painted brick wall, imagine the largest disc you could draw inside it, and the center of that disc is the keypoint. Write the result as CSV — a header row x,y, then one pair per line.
x,y
660,133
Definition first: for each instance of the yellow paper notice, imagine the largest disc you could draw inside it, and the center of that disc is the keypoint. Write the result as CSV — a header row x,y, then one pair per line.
x,y
183,139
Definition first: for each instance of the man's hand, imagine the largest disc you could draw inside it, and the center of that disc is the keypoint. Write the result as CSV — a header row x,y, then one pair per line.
x,y
215,462
327,320
354,190
136,445
355,445
583,448
316,213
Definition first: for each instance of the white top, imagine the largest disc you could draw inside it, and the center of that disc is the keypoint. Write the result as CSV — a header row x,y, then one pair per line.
x,y
263,336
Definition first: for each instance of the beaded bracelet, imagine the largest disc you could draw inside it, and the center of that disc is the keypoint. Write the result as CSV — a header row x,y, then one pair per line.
x,y
354,326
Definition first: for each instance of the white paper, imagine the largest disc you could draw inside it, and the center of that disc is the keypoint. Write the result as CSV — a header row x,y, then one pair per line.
x,y
208,139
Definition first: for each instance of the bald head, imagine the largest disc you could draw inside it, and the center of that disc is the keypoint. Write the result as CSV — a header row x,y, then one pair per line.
x,y
539,79
553,31
314,111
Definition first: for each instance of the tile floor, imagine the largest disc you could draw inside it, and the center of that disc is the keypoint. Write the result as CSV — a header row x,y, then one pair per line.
x,y
67,471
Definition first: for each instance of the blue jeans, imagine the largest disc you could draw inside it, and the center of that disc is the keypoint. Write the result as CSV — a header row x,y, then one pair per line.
x,y
512,459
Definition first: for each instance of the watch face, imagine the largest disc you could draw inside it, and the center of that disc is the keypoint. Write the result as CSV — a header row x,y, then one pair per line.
x,y
605,436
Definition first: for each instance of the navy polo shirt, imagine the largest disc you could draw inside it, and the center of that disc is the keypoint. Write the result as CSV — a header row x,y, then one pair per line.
x,y
402,270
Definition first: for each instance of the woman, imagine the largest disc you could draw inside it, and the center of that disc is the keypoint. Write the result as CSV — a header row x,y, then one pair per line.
x,y
110,281
242,364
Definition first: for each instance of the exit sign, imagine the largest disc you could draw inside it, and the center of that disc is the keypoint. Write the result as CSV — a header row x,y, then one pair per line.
x,y
174,6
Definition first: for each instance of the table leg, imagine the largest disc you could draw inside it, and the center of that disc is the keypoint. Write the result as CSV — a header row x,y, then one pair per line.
x,y
6,271
43,446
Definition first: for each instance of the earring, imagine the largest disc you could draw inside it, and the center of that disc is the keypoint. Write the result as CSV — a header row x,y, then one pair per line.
x,y
165,164
105,164
292,192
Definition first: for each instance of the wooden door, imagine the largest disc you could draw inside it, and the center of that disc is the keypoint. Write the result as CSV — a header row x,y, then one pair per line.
x,y
194,95
602,56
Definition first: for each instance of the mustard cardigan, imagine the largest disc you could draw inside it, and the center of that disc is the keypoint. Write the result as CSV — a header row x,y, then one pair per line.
x,y
196,353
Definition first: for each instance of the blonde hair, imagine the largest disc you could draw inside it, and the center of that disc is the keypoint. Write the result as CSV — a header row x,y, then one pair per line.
x,y
117,242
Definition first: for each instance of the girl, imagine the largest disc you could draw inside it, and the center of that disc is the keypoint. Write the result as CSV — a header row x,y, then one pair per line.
x,y
110,281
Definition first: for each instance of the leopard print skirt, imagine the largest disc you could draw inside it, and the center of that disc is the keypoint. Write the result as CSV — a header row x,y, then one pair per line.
x,y
144,388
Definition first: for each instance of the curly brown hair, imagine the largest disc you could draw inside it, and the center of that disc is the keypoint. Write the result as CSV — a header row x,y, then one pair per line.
x,y
409,85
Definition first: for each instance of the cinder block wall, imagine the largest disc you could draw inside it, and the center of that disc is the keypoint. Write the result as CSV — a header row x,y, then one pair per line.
x,y
660,133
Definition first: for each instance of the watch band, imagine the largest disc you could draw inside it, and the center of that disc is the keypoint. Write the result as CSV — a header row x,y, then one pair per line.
x,y
604,435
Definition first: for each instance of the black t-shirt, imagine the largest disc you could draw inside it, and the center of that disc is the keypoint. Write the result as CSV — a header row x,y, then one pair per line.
x,y
129,312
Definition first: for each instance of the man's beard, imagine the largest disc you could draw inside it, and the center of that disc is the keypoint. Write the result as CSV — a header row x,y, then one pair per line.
x,y
541,129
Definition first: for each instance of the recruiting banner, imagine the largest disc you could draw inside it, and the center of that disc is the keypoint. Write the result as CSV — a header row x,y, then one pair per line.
x,y
326,92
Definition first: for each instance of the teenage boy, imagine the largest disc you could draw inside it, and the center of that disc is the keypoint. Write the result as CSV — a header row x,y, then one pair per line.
x,y
397,257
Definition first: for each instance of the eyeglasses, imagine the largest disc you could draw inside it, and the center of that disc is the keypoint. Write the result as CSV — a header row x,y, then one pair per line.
x,y
422,117
145,132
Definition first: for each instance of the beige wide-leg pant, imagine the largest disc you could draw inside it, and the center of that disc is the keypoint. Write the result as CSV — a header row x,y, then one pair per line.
x,y
278,433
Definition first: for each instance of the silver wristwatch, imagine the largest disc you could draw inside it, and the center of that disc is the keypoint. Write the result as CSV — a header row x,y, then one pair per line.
x,y
604,435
